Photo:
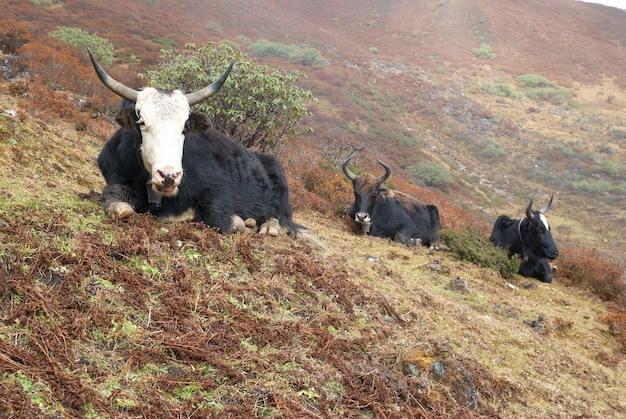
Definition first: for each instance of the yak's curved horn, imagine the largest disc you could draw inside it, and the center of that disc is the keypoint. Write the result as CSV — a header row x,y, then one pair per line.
x,y
117,87
344,166
202,94
529,209
547,206
382,178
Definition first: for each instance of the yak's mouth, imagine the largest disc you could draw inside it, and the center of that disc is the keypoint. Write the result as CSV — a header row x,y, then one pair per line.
x,y
165,189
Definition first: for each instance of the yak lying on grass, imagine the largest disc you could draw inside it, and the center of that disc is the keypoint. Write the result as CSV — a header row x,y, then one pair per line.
x,y
164,159
381,212
530,238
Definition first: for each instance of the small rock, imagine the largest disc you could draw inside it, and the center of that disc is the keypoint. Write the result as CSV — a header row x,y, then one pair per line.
x,y
459,285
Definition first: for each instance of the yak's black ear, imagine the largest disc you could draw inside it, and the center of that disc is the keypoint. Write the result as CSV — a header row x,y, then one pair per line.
x,y
197,122
127,118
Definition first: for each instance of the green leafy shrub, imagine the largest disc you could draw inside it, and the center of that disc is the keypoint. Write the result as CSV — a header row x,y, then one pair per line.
x,y
487,148
539,87
483,51
499,89
256,106
81,39
593,187
470,244
609,167
431,174
549,94
299,54
533,80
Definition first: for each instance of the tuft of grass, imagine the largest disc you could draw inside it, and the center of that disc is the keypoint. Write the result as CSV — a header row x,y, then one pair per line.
x,y
471,244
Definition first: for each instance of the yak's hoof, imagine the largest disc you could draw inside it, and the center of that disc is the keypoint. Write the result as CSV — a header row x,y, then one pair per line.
x,y
251,226
237,225
271,228
119,210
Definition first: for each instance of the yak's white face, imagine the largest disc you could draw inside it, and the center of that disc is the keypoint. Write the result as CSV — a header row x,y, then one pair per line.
x,y
162,117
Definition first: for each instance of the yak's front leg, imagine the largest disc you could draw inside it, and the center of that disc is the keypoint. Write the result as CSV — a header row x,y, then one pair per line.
x,y
119,201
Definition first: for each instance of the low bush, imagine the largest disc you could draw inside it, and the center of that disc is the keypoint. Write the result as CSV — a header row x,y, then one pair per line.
x,y
431,174
316,185
299,54
470,244
595,271
487,149
483,51
539,87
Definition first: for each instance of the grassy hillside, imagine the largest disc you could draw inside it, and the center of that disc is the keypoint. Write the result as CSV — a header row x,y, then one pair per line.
x,y
140,318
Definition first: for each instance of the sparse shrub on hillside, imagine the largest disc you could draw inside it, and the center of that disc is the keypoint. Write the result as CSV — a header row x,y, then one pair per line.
x,y
560,150
472,245
431,174
483,51
609,167
257,106
299,54
166,42
81,39
616,320
618,135
595,187
335,151
549,94
487,149
52,103
539,87
215,27
534,80
499,89
307,56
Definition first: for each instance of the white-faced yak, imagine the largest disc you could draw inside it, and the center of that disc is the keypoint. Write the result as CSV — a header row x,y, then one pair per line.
x,y
166,160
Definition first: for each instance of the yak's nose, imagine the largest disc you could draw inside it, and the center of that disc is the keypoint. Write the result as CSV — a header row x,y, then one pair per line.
x,y
362,217
169,178
554,254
